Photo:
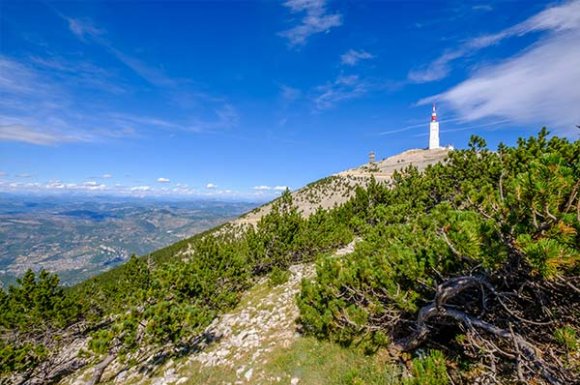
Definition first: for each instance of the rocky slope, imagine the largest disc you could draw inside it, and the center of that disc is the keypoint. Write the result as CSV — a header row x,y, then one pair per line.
x,y
338,188
238,347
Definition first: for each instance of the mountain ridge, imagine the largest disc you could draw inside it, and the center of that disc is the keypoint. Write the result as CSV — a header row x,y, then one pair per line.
x,y
404,262
337,188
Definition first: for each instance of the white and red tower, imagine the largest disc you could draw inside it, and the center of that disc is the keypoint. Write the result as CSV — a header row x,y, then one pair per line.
x,y
434,130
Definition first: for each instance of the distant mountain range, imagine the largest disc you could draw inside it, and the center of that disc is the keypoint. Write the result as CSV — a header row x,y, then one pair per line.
x,y
78,237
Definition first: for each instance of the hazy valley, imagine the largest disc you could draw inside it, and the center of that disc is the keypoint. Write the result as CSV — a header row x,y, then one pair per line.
x,y
80,237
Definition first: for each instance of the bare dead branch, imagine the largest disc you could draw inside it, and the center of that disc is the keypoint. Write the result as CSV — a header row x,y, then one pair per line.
x,y
100,369
572,196
526,355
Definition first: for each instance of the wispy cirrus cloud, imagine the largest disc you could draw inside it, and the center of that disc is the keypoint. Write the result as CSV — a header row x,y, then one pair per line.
x,y
353,57
32,135
149,73
40,103
348,87
39,108
83,28
221,118
315,19
289,94
482,7
78,74
417,125
86,31
538,85
218,115
535,86
438,69
17,78
556,19
227,117
341,89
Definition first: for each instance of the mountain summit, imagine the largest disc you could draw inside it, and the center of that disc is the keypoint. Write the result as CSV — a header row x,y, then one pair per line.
x,y
338,188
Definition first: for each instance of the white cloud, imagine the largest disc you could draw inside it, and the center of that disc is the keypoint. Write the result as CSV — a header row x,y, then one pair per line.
x,y
128,120
539,86
560,18
106,176
341,89
223,118
17,79
151,74
211,186
227,117
86,31
140,188
83,28
21,133
76,74
38,108
40,101
289,94
316,19
163,180
57,185
92,185
482,7
264,190
352,57
222,115
436,70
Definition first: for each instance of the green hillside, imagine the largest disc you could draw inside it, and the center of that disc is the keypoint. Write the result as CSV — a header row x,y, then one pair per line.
x,y
468,271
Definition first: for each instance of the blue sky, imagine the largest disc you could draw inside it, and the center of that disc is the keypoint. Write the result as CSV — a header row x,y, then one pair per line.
x,y
238,99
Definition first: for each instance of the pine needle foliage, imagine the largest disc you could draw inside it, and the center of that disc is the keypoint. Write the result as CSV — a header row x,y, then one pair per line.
x,y
486,243
476,259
